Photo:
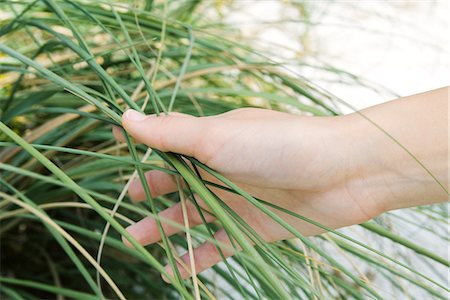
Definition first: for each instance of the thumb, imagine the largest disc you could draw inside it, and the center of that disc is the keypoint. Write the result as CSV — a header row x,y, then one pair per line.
x,y
179,133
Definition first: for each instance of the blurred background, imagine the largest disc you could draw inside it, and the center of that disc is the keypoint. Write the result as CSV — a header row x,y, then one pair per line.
x,y
396,47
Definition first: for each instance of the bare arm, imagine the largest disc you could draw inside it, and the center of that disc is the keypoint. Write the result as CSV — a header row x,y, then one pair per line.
x,y
407,164
338,171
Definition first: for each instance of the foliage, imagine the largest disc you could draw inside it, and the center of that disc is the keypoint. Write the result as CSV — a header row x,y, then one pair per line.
x,y
69,70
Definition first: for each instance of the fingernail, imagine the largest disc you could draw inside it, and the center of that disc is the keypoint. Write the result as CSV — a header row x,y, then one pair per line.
x,y
165,278
134,230
170,273
133,115
135,190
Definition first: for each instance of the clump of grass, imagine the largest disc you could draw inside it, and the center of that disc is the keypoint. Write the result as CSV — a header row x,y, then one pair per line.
x,y
69,70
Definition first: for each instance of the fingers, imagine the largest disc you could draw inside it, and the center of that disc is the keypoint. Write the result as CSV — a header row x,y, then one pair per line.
x,y
178,133
206,255
159,182
146,231
117,133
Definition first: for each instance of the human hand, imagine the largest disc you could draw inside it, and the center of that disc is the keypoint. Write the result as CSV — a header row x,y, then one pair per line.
x,y
304,164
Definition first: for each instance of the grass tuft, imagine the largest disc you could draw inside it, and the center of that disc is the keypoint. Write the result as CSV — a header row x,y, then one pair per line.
x,y
68,70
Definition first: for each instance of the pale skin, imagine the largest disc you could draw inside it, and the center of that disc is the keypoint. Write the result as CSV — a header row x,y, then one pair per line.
x,y
338,171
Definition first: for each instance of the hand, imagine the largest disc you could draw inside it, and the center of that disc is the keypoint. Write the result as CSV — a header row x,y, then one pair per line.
x,y
337,171
304,164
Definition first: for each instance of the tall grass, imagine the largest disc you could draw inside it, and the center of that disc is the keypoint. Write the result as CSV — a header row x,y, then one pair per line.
x,y
68,71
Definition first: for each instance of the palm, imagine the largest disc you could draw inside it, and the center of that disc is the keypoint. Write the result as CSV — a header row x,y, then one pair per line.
x,y
276,157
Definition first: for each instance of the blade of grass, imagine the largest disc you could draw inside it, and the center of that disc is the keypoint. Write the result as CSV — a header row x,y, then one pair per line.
x,y
46,287
86,197
183,68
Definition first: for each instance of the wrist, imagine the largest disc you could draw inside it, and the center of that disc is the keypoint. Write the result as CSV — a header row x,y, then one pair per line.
x,y
366,174
343,163
389,169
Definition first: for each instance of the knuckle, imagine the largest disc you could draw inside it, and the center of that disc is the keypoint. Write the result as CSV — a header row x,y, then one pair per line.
x,y
166,124
208,142
212,249
241,111
203,140
192,214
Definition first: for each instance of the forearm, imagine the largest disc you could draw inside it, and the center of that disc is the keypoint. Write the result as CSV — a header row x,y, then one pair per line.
x,y
401,156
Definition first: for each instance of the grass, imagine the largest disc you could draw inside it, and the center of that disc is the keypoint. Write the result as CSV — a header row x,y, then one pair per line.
x,y
69,70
